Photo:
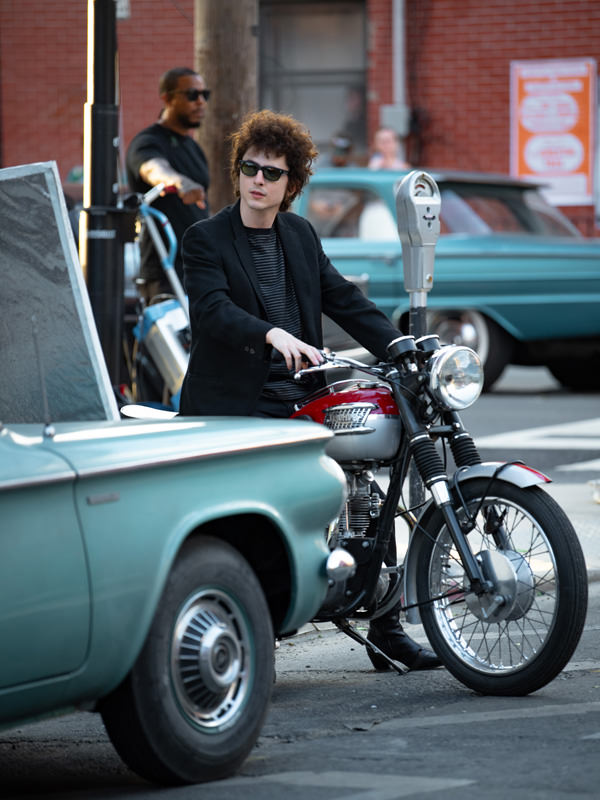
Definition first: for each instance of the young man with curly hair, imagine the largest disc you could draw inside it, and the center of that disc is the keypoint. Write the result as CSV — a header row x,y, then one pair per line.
x,y
258,281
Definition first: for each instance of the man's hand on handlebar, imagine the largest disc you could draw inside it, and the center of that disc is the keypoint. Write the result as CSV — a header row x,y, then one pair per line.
x,y
191,192
158,170
296,353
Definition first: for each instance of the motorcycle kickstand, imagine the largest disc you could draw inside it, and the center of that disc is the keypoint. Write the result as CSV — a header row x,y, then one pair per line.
x,y
345,627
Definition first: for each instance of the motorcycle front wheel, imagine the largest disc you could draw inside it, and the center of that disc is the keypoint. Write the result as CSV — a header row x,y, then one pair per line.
x,y
518,637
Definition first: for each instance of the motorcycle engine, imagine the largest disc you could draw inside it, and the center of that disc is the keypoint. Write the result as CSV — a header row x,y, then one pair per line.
x,y
362,506
354,531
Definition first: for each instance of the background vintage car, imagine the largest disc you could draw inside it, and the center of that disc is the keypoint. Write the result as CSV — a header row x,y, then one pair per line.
x,y
513,278
145,566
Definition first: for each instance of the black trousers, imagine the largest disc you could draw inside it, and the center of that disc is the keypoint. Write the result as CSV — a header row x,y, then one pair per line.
x,y
272,406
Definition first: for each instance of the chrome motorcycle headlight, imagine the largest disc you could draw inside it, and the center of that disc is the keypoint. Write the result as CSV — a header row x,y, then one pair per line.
x,y
456,376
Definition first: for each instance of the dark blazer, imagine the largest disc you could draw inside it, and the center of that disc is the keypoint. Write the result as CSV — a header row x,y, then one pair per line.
x,y
230,360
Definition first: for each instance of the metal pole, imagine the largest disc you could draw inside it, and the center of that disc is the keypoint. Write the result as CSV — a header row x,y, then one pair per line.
x,y
417,327
101,242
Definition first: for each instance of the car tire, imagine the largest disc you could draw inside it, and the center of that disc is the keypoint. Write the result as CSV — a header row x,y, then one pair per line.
x,y
578,374
475,330
193,705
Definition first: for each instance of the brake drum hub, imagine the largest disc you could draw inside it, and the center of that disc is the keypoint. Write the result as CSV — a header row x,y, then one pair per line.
x,y
512,580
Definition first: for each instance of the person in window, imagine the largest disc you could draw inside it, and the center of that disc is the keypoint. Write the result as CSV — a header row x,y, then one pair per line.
x,y
386,146
258,282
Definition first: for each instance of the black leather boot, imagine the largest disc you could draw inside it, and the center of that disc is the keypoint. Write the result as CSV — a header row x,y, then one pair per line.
x,y
388,635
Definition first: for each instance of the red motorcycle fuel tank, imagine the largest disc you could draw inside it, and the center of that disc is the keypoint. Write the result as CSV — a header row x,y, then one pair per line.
x,y
363,418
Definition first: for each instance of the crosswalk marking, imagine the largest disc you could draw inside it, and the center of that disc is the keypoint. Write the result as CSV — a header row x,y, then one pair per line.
x,y
480,717
584,466
374,786
581,435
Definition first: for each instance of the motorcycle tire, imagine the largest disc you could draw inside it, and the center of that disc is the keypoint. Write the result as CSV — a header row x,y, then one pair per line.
x,y
520,642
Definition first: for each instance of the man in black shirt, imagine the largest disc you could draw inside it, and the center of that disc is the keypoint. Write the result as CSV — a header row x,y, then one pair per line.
x,y
166,153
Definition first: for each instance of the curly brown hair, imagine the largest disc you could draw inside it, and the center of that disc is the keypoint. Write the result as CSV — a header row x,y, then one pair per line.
x,y
276,135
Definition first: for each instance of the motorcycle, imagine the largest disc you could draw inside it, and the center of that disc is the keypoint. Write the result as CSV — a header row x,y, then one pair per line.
x,y
493,568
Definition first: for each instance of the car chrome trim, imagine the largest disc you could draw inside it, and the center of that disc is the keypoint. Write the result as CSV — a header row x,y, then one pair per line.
x,y
100,499
172,458
37,480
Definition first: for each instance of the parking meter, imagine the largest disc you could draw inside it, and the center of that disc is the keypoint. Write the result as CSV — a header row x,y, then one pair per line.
x,y
418,205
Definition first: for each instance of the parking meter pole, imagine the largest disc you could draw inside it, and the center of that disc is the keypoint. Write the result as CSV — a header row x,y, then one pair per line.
x,y
417,315
418,204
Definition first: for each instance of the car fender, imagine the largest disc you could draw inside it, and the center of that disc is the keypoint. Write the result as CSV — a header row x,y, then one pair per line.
x,y
127,591
518,474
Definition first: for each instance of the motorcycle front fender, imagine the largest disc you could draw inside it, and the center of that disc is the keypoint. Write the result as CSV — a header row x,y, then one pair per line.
x,y
518,474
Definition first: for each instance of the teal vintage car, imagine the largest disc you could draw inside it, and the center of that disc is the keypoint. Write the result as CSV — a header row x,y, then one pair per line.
x,y
146,566
513,278
145,569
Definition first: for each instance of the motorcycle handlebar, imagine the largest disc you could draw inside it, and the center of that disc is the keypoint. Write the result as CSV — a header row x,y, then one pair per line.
x,y
333,361
150,196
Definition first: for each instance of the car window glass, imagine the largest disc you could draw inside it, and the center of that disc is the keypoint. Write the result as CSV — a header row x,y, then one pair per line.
x,y
457,216
495,213
349,212
551,220
479,210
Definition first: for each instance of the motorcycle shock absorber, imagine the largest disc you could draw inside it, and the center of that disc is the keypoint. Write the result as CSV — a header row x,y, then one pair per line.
x,y
431,469
428,460
463,449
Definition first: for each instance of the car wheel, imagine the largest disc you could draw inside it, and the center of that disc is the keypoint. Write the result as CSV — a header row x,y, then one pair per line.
x,y
194,703
470,328
579,374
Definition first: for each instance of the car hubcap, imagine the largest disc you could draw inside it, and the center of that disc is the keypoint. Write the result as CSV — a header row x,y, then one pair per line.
x,y
210,658
466,328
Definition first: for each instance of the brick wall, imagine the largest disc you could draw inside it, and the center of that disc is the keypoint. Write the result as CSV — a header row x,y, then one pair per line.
x,y
380,88
43,81
458,66
159,35
43,71
458,55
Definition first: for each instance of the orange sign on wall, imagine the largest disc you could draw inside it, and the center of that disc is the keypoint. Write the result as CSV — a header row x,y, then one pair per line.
x,y
553,113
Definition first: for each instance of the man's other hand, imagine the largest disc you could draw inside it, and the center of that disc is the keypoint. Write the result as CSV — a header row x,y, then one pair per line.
x,y
295,352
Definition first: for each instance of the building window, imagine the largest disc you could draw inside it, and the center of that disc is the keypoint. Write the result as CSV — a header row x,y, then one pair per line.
x,y
313,66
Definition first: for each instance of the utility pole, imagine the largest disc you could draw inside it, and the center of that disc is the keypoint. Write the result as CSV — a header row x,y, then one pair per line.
x,y
103,225
226,55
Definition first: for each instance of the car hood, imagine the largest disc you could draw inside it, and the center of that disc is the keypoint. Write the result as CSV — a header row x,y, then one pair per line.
x,y
98,447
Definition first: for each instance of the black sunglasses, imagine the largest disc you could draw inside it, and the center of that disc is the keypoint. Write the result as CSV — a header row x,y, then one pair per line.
x,y
193,94
250,169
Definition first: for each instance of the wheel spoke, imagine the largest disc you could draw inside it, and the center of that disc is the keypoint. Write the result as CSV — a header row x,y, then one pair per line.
x,y
508,643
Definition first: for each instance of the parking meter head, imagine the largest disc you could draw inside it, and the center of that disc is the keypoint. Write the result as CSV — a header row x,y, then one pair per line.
x,y
418,203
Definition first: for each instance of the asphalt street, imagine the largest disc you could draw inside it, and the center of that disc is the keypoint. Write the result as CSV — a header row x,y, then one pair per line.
x,y
338,730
